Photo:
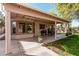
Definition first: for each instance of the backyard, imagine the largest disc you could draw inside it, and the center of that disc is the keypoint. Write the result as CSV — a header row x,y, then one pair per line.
x,y
68,46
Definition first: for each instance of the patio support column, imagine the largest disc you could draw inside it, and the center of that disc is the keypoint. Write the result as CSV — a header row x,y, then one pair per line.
x,y
7,32
17,27
55,30
66,27
37,30
68,24
33,28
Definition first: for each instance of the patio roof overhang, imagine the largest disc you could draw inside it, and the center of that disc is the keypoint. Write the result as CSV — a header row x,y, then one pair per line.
x,y
26,11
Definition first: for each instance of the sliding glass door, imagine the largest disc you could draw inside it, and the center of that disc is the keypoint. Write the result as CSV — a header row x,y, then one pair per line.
x,y
25,27
22,27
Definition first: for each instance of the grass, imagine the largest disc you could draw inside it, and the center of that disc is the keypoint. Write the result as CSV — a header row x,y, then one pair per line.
x,y
68,46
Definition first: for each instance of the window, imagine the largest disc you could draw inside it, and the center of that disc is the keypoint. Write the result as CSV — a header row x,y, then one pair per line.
x,y
14,27
29,28
25,27
42,26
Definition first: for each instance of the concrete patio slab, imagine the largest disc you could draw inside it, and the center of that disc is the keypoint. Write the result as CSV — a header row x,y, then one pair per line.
x,y
36,49
26,48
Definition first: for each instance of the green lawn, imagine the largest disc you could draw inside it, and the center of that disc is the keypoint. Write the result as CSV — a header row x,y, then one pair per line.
x,y
67,46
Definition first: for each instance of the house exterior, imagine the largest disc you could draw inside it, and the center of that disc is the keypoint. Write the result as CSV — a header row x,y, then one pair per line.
x,y
23,22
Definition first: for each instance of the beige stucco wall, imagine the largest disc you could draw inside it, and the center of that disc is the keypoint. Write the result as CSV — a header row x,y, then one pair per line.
x,y
26,35
37,27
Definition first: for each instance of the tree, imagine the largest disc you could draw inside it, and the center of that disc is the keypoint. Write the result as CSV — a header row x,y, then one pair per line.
x,y
76,15
1,22
1,19
52,13
68,11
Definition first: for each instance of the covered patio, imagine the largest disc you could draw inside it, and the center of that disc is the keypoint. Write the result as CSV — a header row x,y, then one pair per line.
x,y
22,22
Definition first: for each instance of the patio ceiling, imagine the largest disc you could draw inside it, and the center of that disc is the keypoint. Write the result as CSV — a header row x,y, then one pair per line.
x,y
20,17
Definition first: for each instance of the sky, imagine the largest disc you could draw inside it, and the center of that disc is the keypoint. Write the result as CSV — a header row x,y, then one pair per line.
x,y
46,7
75,23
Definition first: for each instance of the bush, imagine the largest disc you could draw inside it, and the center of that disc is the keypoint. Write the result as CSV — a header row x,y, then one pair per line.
x,y
69,32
